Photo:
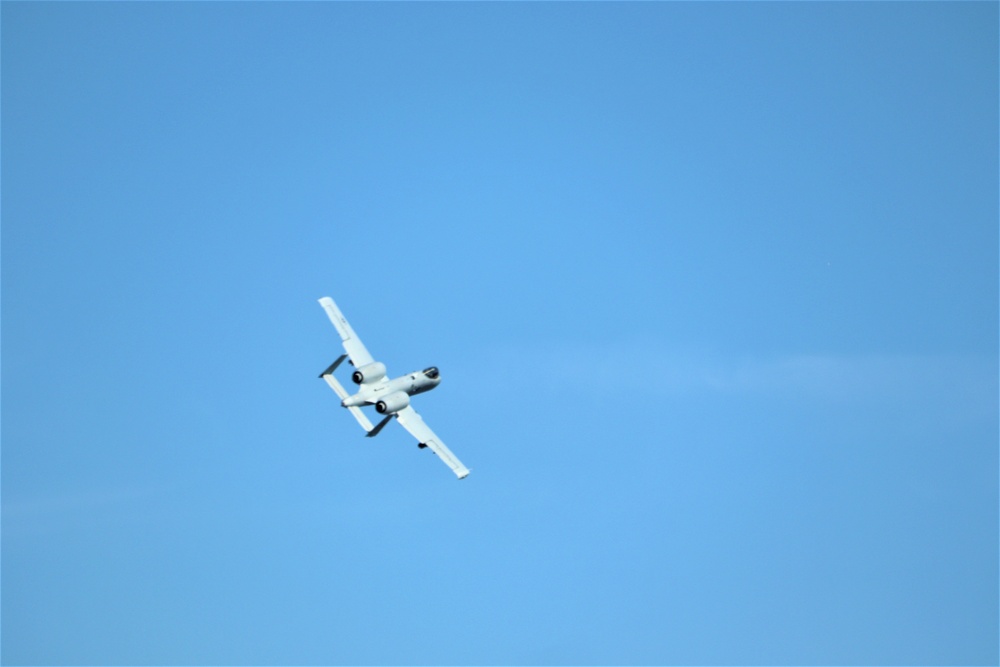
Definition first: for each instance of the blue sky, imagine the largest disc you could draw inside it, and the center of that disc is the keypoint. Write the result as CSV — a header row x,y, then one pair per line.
x,y
713,289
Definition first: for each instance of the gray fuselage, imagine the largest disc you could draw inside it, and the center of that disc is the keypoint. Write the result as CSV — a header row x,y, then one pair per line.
x,y
411,384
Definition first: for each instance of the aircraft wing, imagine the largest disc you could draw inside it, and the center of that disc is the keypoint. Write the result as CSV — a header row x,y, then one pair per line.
x,y
352,344
413,423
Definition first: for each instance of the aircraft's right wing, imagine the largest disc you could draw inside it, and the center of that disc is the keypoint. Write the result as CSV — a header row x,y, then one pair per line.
x,y
352,344
412,422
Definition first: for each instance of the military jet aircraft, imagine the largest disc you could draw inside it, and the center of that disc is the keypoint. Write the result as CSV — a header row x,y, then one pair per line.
x,y
390,397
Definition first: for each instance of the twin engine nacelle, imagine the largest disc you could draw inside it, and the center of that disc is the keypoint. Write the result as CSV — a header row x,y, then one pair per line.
x,y
369,373
392,403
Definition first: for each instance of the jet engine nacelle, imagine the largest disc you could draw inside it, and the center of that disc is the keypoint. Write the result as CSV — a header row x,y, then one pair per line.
x,y
369,373
392,403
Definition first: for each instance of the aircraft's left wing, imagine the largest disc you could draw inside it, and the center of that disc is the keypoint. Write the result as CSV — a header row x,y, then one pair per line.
x,y
412,422
352,344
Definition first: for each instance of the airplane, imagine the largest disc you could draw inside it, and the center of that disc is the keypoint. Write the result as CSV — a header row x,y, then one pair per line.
x,y
390,397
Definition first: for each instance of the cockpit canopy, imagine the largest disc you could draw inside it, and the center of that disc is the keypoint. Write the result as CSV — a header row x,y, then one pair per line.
x,y
432,372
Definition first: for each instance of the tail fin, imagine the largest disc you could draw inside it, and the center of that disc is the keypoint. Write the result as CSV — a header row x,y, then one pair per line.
x,y
342,393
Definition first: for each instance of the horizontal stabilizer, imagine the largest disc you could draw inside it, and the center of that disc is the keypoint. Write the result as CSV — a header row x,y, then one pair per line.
x,y
339,390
